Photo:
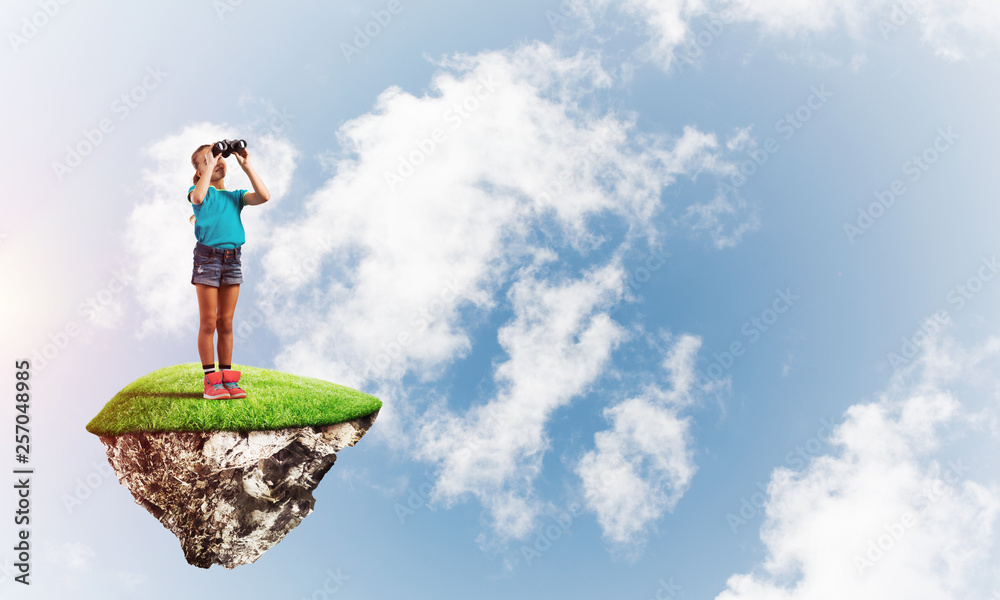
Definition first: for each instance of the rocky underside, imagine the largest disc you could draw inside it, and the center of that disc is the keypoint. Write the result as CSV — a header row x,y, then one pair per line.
x,y
229,496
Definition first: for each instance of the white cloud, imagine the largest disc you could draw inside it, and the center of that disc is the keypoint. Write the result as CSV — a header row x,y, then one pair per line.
x,y
680,367
790,17
953,29
961,28
557,344
642,465
667,22
726,219
894,512
405,257
741,140
437,203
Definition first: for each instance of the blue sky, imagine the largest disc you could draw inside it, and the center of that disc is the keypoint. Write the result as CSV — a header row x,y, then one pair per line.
x,y
662,337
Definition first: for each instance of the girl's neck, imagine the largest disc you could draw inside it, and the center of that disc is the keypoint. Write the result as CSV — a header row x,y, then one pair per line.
x,y
219,185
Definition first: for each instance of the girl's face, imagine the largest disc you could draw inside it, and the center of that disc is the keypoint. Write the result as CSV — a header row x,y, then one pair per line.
x,y
220,167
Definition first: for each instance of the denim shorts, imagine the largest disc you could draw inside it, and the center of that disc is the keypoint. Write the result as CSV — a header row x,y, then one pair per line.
x,y
215,266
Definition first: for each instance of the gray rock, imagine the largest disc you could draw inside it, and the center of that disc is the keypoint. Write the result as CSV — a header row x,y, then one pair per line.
x,y
229,496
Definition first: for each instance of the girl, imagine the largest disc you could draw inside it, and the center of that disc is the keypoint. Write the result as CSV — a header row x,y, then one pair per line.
x,y
217,275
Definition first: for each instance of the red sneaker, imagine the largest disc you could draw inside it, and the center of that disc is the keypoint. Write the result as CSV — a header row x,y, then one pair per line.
x,y
214,389
229,379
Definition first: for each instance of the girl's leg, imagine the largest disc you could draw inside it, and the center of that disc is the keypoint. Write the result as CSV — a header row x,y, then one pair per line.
x,y
208,301
228,294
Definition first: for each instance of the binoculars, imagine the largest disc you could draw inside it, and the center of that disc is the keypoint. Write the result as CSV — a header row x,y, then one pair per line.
x,y
227,147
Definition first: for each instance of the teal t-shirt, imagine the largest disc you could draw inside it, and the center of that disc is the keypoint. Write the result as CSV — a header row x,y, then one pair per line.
x,y
217,218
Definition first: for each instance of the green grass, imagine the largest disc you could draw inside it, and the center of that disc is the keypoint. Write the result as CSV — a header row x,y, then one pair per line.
x,y
170,399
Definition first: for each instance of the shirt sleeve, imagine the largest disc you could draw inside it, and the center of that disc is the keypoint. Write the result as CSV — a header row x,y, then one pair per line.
x,y
242,193
191,189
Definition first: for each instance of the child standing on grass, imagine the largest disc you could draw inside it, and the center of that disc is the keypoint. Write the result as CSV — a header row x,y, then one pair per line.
x,y
217,274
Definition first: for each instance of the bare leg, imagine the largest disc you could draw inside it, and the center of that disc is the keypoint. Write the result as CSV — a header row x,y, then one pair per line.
x,y
228,294
208,299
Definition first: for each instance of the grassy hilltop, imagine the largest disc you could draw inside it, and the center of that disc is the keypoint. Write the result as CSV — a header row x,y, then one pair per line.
x,y
170,399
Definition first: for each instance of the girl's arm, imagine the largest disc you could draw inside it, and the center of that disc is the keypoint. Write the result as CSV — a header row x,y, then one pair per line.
x,y
201,188
259,195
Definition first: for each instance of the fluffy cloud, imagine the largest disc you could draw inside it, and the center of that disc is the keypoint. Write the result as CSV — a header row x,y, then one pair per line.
x,y
895,512
667,22
642,465
953,29
438,200
492,181
558,343
726,218
961,28
792,17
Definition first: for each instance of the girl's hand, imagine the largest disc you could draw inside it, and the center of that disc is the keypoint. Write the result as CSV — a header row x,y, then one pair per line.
x,y
209,163
242,157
